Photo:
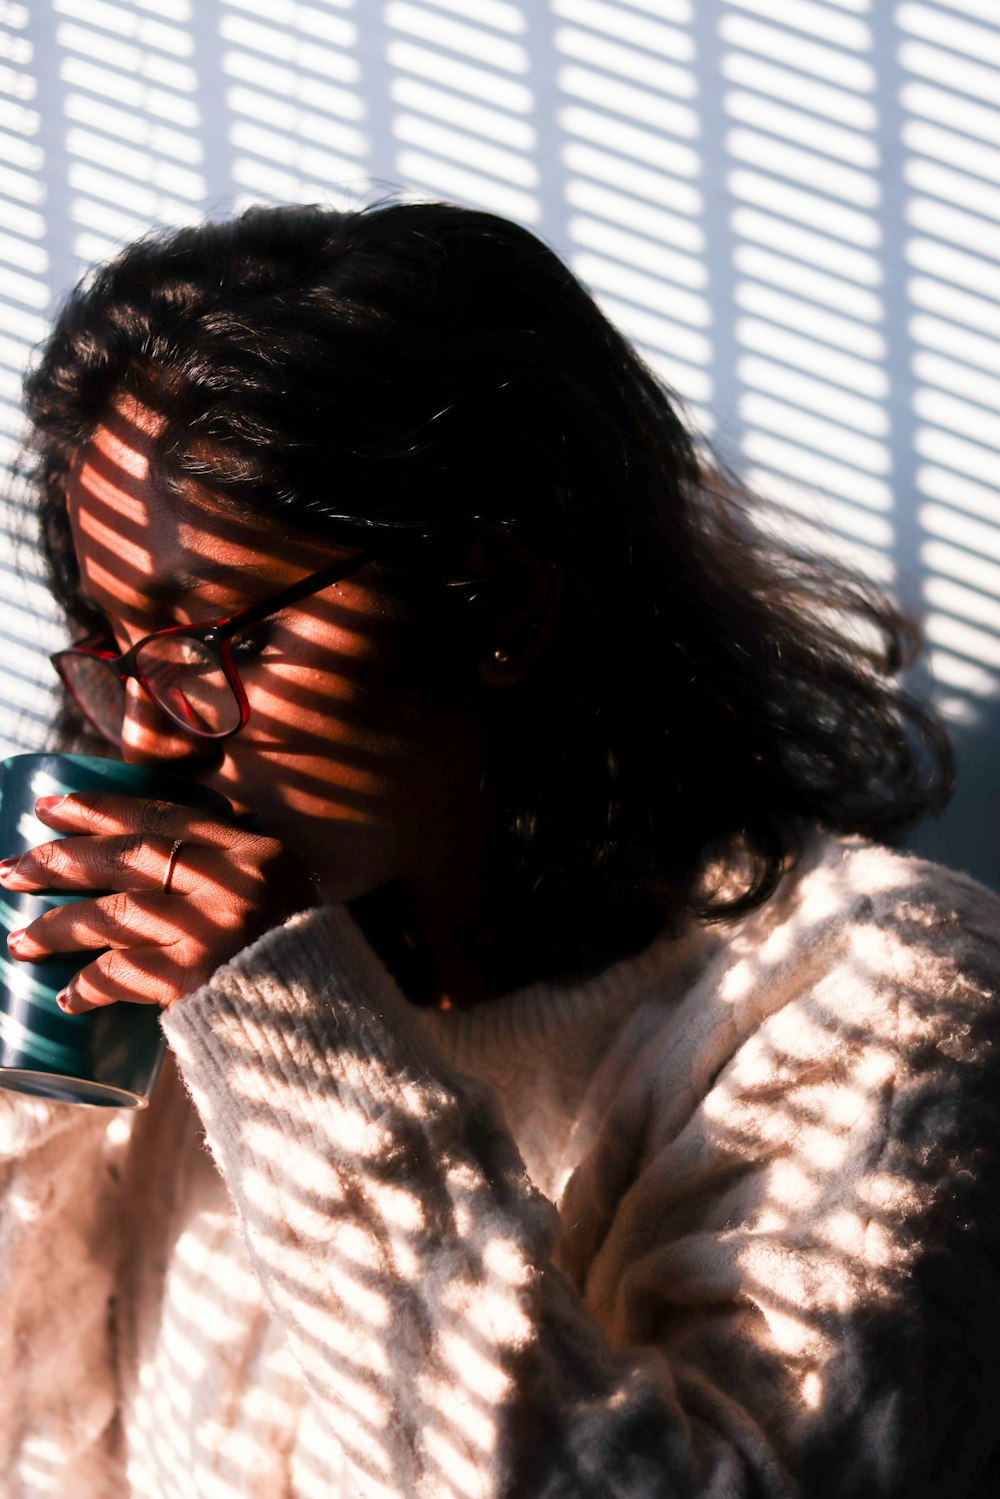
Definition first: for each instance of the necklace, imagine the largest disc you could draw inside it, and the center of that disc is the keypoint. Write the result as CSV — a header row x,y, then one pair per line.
x,y
417,943
402,946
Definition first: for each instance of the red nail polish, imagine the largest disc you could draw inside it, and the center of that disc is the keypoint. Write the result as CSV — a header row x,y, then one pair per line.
x,y
48,803
7,866
14,939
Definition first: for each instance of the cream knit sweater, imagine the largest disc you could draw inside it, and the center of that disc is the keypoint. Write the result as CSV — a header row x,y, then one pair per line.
x,y
721,1222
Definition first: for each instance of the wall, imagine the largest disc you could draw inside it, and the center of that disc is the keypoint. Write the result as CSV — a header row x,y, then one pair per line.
x,y
791,206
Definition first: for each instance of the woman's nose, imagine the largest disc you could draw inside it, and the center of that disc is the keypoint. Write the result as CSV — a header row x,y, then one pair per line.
x,y
150,736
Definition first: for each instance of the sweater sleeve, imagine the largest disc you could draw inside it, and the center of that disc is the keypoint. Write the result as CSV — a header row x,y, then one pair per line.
x,y
389,1218
59,1241
414,1267
793,1189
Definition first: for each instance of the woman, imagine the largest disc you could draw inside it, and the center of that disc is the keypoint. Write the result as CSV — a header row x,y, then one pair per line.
x,y
594,1103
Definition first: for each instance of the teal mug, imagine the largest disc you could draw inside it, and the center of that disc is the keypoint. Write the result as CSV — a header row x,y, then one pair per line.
x,y
110,1056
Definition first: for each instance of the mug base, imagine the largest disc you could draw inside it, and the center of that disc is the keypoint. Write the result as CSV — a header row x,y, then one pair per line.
x,y
68,1089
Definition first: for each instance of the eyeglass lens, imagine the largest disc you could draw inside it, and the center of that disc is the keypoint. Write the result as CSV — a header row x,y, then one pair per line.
x,y
184,678
98,691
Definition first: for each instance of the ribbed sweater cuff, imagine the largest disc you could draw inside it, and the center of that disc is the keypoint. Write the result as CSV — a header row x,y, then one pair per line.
x,y
308,1002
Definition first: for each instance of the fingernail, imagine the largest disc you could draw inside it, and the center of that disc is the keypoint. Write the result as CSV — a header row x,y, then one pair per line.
x,y
64,999
14,939
49,803
7,867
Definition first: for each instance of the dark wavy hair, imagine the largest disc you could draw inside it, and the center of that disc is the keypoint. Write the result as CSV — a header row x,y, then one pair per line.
x,y
708,690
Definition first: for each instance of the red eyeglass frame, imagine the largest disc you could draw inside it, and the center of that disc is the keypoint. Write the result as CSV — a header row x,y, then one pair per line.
x,y
215,633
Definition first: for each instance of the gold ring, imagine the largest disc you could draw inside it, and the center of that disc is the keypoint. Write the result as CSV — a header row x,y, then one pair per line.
x,y
171,862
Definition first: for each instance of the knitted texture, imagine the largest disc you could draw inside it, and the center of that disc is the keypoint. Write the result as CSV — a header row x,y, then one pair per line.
x,y
722,1221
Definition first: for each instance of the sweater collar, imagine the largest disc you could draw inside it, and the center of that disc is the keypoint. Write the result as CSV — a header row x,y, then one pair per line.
x,y
537,1013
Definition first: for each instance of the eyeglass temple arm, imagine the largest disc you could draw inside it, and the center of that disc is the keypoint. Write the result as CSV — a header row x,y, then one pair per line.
x,y
332,574
314,583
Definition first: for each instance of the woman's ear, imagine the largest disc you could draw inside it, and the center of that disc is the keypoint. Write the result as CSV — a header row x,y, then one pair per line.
x,y
527,593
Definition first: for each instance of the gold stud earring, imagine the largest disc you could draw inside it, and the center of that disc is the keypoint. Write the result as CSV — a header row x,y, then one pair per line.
x,y
501,656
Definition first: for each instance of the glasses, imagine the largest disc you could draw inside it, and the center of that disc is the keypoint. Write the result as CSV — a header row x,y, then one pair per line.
x,y
187,670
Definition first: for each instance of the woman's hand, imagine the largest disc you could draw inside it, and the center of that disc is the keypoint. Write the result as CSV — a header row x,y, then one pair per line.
x,y
227,886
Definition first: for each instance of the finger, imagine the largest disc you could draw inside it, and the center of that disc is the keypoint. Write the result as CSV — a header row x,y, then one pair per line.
x,y
110,812
120,919
130,861
139,975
